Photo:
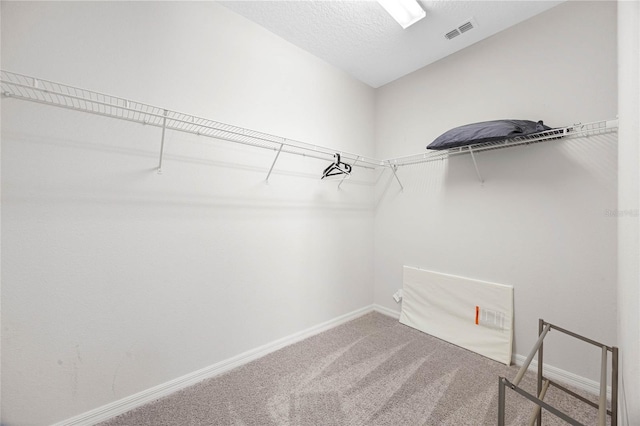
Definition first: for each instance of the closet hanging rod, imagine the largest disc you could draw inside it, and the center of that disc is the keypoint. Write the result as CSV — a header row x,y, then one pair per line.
x,y
41,91
190,126
19,86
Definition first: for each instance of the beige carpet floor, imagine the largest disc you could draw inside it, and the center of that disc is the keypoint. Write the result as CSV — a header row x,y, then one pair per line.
x,y
370,371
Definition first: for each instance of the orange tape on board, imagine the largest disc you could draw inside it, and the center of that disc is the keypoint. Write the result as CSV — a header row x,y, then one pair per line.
x,y
477,314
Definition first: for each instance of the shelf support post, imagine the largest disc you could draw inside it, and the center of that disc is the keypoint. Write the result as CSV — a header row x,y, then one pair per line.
x,y
541,325
394,167
614,386
501,401
473,157
602,401
164,126
274,163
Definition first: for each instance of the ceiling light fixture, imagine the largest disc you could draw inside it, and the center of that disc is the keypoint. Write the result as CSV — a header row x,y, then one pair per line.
x,y
406,12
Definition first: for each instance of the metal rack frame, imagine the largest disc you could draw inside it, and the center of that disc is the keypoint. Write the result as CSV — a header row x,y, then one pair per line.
x,y
19,86
543,383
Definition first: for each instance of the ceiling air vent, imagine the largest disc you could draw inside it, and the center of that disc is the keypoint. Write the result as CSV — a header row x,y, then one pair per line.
x,y
451,34
461,29
465,27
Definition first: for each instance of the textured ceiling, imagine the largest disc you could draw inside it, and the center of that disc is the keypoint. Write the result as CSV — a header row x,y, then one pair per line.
x,y
360,38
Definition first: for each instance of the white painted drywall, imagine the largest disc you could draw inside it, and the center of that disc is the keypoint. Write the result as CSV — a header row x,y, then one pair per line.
x,y
0,268
629,207
539,222
116,279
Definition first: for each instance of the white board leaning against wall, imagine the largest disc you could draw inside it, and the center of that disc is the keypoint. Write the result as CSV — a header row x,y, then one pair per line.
x,y
476,315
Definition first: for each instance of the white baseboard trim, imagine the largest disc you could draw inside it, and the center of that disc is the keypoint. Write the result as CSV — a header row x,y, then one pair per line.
x,y
128,403
386,311
563,376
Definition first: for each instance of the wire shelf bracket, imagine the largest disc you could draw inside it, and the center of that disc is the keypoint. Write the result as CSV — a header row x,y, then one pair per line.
x,y
344,177
475,164
394,169
274,163
164,127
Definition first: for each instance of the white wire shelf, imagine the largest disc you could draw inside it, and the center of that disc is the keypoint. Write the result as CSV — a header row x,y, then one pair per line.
x,y
34,89
557,134
19,86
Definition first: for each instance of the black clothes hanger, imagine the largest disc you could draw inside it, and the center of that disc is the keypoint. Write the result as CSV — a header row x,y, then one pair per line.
x,y
336,168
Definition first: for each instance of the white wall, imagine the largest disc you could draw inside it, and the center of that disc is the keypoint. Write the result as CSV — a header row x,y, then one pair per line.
x,y
629,205
538,222
115,278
